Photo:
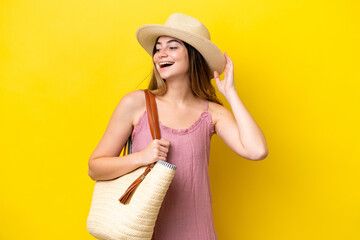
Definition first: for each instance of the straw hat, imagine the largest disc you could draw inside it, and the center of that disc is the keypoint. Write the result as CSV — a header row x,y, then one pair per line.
x,y
189,30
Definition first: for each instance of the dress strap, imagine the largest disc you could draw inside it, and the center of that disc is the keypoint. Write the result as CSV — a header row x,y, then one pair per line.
x,y
206,105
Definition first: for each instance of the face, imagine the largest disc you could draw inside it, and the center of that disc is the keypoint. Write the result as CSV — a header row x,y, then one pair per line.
x,y
171,57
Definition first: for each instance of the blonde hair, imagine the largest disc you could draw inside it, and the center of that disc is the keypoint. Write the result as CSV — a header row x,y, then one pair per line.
x,y
199,72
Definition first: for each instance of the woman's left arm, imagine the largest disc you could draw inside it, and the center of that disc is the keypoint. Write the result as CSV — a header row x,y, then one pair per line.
x,y
241,134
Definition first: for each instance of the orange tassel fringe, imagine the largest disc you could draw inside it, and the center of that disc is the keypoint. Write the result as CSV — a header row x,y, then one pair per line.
x,y
126,197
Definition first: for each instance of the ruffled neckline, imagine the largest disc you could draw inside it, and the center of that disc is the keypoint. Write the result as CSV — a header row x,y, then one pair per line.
x,y
192,127
185,130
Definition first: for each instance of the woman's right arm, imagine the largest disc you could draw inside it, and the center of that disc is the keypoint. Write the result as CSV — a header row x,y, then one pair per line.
x,y
105,162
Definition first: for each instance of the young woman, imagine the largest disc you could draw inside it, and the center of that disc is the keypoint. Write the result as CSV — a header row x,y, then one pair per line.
x,y
184,61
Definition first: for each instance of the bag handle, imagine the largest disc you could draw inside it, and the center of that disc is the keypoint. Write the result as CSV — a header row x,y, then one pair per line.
x,y
153,120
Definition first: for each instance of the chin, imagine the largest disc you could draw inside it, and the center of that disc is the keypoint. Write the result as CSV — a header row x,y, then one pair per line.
x,y
170,75
165,76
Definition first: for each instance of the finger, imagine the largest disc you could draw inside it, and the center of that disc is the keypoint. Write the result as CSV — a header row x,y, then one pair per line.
x,y
228,64
164,142
229,59
162,154
217,80
216,76
161,158
164,149
157,153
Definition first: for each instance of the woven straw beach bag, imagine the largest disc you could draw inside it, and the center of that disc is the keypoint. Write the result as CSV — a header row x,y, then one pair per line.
x,y
112,219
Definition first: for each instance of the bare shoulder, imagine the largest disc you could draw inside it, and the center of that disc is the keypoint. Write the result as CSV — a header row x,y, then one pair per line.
x,y
218,111
133,99
132,104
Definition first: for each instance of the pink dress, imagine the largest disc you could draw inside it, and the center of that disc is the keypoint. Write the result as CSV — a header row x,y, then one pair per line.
x,y
186,212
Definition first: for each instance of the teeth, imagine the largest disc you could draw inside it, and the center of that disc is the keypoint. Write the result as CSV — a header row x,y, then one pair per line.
x,y
163,63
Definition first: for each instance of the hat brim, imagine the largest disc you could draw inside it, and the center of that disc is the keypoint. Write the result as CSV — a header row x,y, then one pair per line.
x,y
147,34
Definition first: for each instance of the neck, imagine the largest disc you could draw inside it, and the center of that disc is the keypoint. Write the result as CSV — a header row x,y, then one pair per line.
x,y
179,91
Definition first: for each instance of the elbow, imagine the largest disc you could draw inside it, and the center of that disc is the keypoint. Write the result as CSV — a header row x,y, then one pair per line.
x,y
261,155
91,175
91,172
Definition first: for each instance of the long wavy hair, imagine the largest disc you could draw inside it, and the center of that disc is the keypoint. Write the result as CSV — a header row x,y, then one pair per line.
x,y
199,72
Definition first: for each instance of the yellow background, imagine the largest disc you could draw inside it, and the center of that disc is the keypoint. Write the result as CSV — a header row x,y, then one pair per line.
x,y
64,66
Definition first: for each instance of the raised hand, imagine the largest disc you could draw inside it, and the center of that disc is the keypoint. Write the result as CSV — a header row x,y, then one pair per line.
x,y
227,83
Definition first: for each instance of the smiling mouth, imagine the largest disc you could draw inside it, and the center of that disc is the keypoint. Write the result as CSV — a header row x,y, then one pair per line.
x,y
165,65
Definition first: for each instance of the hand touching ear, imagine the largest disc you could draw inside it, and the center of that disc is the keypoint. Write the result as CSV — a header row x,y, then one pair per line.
x,y
227,83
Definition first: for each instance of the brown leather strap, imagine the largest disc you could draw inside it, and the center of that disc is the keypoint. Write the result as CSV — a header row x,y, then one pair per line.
x,y
148,110
155,132
152,113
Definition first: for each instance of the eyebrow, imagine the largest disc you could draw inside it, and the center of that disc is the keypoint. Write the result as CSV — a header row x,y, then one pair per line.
x,y
173,40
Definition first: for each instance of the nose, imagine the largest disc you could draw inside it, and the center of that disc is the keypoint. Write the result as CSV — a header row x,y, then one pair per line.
x,y
162,53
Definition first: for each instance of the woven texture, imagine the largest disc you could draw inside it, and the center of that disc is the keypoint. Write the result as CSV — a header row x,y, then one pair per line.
x,y
110,220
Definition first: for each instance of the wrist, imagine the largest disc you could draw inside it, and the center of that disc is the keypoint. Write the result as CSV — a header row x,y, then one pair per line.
x,y
229,94
138,159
